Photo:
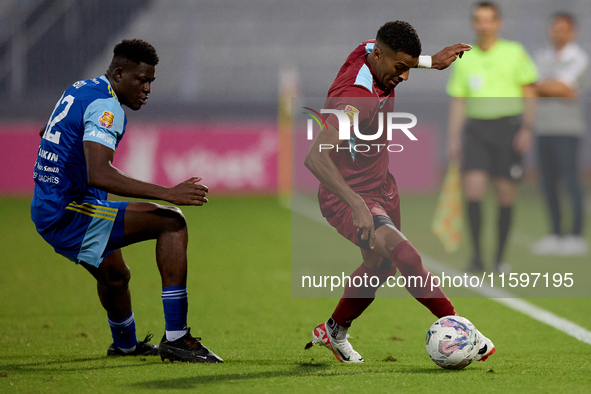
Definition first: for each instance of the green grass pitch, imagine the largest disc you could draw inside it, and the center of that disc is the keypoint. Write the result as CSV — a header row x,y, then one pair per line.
x,y
54,334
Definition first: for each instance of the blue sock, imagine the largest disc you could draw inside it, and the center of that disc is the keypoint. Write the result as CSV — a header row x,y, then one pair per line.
x,y
176,305
123,332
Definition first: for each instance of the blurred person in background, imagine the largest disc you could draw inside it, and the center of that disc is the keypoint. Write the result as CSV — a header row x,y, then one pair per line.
x,y
560,127
490,124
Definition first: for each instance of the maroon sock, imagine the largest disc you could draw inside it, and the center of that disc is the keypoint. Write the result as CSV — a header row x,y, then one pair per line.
x,y
356,299
408,261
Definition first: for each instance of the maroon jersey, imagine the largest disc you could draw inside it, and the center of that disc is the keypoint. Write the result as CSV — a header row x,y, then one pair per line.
x,y
363,163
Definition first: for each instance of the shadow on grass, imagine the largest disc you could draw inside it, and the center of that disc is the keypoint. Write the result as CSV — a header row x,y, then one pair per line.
x,y
304,369
58,365
291,369
432,371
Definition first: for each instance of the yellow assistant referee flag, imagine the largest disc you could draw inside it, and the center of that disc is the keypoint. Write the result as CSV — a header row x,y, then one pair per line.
x,y
447,221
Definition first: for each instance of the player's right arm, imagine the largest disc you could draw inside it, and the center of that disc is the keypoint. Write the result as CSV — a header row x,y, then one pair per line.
x,y
104,176
457,118
318,161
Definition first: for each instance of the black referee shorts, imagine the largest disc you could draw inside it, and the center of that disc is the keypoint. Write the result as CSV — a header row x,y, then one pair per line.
x,y
488,146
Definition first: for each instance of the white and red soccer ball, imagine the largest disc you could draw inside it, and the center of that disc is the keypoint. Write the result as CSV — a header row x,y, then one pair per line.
x,y
452,342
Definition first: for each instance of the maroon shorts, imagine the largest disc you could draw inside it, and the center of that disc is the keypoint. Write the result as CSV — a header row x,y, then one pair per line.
x,y
383,201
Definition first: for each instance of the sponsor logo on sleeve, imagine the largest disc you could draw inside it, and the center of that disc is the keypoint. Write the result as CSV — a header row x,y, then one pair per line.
x,y
102,136
106,119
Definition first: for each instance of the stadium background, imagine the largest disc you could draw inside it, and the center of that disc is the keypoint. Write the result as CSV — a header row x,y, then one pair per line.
x,y
221,67
218,84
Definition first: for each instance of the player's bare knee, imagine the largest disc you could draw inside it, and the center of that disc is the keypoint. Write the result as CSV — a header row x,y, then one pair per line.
x,y
118,280
173,219
170,219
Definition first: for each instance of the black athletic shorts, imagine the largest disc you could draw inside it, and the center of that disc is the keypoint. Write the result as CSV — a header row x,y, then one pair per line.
x,y
488,146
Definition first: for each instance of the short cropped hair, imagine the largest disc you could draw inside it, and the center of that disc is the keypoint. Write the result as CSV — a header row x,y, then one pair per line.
x,y
400,36
136,50
488,4
570,18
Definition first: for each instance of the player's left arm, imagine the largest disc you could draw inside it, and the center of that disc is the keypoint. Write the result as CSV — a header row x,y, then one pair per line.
x,y
104,122
442,59
103,175
524,139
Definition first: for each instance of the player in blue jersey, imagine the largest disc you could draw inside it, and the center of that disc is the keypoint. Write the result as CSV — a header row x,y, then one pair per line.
x,y
73,175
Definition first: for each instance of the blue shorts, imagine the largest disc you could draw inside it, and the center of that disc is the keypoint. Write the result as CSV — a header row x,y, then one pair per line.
x,y
88,231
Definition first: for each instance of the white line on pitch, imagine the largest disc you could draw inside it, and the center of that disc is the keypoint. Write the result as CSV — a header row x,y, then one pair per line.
x,y
518,304
307,208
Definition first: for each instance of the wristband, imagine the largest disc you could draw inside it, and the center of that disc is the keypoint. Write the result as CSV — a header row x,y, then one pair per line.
x,y
424,62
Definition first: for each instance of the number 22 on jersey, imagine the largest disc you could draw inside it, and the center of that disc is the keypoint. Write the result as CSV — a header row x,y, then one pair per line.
x,y
55,137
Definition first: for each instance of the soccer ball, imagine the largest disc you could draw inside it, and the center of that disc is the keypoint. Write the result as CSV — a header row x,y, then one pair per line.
x,y
452,342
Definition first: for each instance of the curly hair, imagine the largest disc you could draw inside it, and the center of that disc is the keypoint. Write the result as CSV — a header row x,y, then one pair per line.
x,y
400,36
137,51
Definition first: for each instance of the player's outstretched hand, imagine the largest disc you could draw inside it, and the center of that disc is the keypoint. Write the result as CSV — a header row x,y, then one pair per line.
x,y
363,220
447,55
188,192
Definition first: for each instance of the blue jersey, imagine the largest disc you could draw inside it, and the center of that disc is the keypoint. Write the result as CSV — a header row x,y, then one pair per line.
x,y
87,111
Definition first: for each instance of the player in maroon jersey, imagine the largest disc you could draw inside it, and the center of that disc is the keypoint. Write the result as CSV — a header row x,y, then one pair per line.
x,y
358,195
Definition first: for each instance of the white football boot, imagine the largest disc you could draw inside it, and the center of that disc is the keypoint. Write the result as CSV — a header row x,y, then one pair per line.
x,y
342,349
487,348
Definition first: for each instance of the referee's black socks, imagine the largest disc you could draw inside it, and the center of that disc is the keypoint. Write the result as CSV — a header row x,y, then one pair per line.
x,y
474,216
504,224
